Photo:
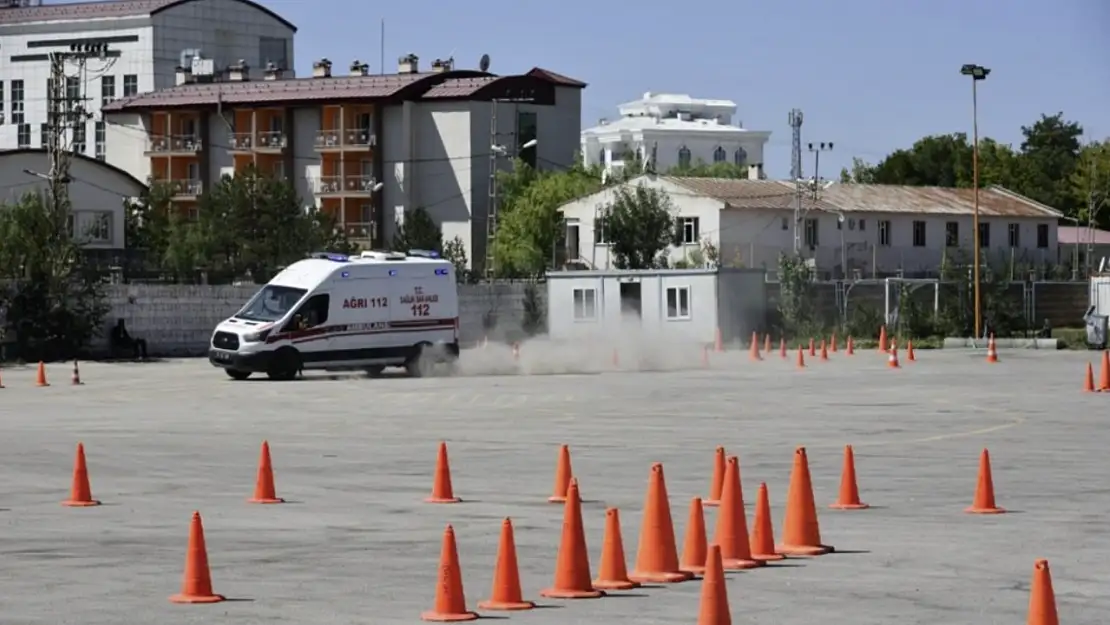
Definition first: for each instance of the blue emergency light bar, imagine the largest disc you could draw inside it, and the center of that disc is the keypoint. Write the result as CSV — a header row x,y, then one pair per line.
x,y
423,253
332,256
441,272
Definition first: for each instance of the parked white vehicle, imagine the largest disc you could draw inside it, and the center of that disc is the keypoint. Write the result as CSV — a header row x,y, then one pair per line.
x,y
335,312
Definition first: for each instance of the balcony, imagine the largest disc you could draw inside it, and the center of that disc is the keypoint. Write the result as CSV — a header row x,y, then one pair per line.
x,y
339,186
174,145
240,142
361,231
350,140
186,189
272,141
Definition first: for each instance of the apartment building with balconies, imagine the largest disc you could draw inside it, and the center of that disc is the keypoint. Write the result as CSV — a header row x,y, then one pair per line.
x,y
365,148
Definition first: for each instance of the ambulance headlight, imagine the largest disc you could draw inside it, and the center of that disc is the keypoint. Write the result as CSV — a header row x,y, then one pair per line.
x,y
257,337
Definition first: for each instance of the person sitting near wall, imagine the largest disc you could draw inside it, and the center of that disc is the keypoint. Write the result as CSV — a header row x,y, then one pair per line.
x,y
121,340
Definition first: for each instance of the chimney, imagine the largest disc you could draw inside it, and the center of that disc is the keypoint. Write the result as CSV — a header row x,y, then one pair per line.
x,y
273,72
408,64
184,75
358,68
238,72
321,69
439,66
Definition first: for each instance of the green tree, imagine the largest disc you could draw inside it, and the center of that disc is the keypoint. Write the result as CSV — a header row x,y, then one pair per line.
x,y
419,232
1050,152
639,224
454,252
147,220
53,304
701,169
1091,183
530,225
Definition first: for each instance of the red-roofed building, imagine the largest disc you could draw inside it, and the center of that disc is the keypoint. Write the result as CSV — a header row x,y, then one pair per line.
x,y
363,147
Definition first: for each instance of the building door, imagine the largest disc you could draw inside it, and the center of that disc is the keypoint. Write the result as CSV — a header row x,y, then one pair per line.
x,y
631,303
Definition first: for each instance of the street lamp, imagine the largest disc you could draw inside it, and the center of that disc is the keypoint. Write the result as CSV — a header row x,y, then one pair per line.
x,y
977,73
504,151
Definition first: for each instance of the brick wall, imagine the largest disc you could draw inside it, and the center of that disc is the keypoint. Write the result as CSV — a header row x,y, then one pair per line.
x,y
177,320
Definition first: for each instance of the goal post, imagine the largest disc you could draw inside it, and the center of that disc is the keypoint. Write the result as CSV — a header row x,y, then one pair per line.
x,y
893,290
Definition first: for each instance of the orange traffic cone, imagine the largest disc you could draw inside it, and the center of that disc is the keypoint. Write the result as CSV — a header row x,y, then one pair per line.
x,y
824,350
753,352
892,361
782,348
992,351
572,566
612,574
695,545
1089,383
718,477
714,594
731,532
40,377
80,494
801,359
657,557
767,344
1042,599
849,490
563,476
442,491
450,602
75,380
832,343
196,587
851,351
264,484
801,534
763,533
718,342
984,492
506,594
812,348
883,347
910,356
1104,372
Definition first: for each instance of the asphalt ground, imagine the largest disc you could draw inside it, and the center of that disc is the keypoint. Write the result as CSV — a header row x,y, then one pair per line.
x,y
355,456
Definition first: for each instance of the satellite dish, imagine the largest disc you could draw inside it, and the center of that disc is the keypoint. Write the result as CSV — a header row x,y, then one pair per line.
x,y
483,64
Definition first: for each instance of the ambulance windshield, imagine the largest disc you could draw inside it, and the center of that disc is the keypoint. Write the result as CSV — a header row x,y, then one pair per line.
x,y
272,303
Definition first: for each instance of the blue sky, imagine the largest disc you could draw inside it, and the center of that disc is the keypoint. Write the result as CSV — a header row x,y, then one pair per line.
x,y
870,75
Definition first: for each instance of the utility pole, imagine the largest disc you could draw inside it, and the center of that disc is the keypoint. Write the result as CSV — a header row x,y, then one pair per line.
x,y
816,149
795,120
65,111
491,212
977,73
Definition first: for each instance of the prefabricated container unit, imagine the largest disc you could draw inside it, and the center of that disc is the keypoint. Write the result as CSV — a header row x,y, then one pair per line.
x,y
672,304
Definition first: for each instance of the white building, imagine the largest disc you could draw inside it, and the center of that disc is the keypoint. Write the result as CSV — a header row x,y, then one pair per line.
x,y
97,193
672,130
854,230
364,148
147,41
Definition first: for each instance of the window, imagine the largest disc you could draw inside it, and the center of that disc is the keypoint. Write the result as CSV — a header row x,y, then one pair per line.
x,y
17,101
73,92
919,234
862,225
189,128
678,302
601,156
101,153
80,138
585,304
740,156
1014,234
600,236
192,172
884,232
23,136
97,228
684,156
785,223
688,229
526,130
984,235
107,89
811,233
130,85
44,135
719,155
312,313
273,50
1042,236
952,234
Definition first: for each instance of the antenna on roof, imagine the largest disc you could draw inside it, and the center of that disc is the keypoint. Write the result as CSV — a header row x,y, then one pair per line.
x,y
382,43
483,63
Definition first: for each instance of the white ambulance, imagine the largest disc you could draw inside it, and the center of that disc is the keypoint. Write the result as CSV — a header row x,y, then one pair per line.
x,y
339,312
